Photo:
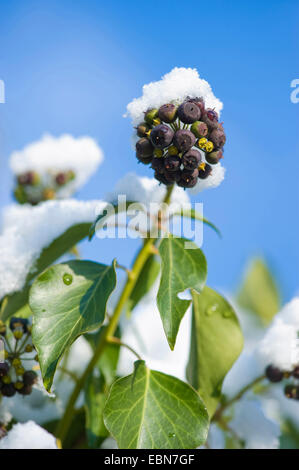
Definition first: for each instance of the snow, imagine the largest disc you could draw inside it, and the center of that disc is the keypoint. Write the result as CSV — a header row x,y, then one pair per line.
x,y
51,155
212,181
244,371
280,345
145,190
28,230
175,87
251,425
28,436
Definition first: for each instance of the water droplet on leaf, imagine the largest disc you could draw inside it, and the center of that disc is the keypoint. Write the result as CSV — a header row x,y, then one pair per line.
x,y
171,434
67,279
211,309
227,314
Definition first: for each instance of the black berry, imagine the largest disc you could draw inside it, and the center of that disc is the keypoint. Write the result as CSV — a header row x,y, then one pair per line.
x,y
218,138
172,163
274,374
8,390
161,136
172,176
189,112
199,103
144,160
158,164
167,113
296,372
162,178
191,159
26,390
28,178
203,173
61,179
210,117
29,377
188,179
144,148
4,368
184,140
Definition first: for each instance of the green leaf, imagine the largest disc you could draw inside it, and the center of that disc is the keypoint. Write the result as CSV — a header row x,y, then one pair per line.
x,y
151,410
94,403
145,281
182,269
289,438
109,211
259,292
216,343
193,214
67,300
49,255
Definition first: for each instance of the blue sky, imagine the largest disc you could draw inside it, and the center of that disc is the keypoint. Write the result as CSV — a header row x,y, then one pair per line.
x,y
73,67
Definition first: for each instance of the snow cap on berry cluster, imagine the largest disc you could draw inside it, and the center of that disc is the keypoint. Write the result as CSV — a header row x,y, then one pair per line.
x,y
174,87
51,155
280,345
191,156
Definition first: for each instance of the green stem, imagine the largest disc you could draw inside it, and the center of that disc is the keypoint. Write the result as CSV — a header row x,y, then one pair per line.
x,y
69,373
114,340
218,415
139,262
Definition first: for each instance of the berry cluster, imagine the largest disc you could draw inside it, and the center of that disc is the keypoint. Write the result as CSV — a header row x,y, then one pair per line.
x,y
275,375
31,188
13,375
181,142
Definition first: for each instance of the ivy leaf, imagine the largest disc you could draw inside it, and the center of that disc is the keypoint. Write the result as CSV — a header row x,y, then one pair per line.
x,y
67,300
145,281
94,403
216,343
259,292
182,269
13,303
152,410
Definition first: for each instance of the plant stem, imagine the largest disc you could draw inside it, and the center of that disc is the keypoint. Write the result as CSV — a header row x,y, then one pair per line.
x,y
114,340
139,262
69,373
218,415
